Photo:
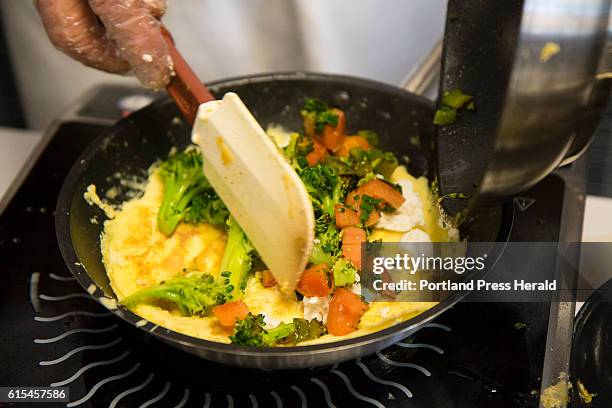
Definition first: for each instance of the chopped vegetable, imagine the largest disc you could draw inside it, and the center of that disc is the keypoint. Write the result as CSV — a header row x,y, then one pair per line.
x,y
345,216
317,155
352,252
455,98
380,190
327,246
345,312
326,126
194,294
207,207
231,312
452,101
184,180
368,207
344,272
315,281
236,262
267,279
250,332
383,163
334,134
352,142
318,115
364,206
445,116
352,239
353,235
325,186
307,330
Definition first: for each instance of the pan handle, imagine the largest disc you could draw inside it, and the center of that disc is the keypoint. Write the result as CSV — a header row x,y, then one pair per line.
x,y
185,89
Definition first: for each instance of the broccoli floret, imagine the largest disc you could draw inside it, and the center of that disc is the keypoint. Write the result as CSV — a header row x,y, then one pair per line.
x,y
183,180
251,332
307,330
325,186
207,207
297,150
194,294
344,272
327,246
367,163
320,113
237,261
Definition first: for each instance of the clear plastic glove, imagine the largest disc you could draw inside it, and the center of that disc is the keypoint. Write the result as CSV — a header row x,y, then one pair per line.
x,y
116,36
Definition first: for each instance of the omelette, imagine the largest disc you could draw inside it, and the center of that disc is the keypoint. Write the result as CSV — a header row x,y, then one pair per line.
x,y
138,254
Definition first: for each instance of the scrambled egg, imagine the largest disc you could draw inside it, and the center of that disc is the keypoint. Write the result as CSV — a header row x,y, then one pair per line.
x,y
136,255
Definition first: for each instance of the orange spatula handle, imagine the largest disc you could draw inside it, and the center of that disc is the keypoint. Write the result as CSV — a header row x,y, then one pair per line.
x,y
185,89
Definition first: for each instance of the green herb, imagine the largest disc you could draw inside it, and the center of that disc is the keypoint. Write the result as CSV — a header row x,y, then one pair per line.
x,y
325,118
320,113
314,105
368,204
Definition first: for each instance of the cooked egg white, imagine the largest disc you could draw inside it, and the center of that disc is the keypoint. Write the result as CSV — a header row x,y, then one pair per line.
x,y
136,255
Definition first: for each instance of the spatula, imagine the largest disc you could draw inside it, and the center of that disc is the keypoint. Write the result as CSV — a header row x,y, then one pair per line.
x,y
259,187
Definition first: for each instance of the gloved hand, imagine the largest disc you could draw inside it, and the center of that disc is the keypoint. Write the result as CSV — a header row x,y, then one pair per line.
x,y
116,36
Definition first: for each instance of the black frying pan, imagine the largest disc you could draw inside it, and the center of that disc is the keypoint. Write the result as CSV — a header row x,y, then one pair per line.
x,y
133,144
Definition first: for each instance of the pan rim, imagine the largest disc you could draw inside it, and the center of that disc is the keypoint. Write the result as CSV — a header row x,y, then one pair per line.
x,y
64,240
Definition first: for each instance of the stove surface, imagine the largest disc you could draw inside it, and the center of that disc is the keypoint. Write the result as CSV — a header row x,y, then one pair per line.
x,y
53,334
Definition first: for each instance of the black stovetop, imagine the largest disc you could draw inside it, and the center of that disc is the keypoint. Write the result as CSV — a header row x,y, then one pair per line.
x,y
52,333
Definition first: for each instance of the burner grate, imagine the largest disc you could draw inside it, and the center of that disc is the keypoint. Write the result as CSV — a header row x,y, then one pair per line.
x,y
106,362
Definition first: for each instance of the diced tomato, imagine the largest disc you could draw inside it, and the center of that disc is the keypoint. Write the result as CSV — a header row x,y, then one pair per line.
x,y
383,191
345,312
352,238
353,235
267,279
352,142
345,217
229,313
333,136
354,198
315,281
317,155
352,252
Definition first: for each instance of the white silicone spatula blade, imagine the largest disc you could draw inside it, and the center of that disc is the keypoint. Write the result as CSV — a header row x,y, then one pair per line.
x,y
257,184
